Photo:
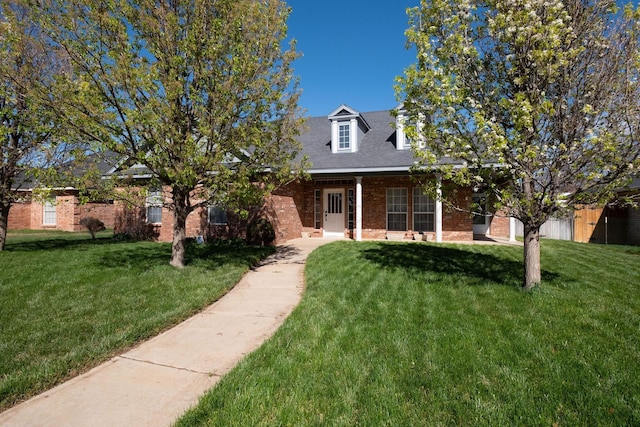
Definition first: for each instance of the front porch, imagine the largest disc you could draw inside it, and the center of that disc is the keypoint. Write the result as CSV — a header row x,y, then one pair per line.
x,y
382,207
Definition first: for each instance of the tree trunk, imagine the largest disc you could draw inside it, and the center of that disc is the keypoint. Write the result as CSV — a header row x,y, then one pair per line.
x,y
4,223
181,210
532,275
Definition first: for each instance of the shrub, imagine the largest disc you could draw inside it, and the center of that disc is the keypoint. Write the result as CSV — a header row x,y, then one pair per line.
x,y
131,224
260,232
93,225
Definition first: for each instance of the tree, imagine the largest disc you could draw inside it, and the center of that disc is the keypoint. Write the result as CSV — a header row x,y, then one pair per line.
x,y
537,100
200,92
28,128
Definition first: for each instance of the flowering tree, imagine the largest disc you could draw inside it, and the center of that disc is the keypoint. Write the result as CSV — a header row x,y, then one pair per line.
x,y
537,99
200,92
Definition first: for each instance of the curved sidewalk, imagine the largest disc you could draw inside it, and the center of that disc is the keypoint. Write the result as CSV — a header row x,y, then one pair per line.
x,y
156,382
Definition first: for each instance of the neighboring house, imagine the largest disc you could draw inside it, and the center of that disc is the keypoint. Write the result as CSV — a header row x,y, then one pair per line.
x,y
360,187
61,211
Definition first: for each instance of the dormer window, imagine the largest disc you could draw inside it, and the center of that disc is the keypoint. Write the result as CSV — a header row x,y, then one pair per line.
x,y
344,139
403,142
347,129
404,126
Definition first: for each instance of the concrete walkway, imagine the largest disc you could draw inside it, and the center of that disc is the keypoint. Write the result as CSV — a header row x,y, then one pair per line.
x,y
156,382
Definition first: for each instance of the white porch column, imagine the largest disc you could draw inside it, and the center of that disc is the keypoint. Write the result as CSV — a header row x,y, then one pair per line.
x,y
358,208
512,229
439,209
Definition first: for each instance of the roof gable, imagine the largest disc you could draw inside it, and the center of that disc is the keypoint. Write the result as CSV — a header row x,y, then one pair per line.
x,y
343,111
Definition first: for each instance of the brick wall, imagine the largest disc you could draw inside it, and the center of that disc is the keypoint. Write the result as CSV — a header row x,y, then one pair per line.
x,y
68,213
499,226
132,220
105,212
20,216
291,211
285,209
130,217
457,223
30,215
37,216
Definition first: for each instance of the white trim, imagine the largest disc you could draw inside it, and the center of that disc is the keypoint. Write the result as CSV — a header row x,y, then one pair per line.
x,y
353,136
512,229
344,126
50,208
334,136
379,169
439,209
155,200
362,170
351,111
145,176
358,208
401,138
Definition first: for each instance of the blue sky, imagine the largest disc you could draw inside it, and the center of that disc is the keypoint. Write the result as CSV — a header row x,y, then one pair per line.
x,y
353,50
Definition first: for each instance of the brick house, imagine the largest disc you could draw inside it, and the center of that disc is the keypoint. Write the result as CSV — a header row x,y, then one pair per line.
x,y
360,187
61,211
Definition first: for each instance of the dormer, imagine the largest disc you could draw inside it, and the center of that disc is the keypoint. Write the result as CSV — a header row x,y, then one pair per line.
x,y
347,129
402,140
403,122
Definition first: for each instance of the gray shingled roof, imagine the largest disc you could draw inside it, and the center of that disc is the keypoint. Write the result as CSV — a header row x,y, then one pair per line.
x,y
104,162
377,148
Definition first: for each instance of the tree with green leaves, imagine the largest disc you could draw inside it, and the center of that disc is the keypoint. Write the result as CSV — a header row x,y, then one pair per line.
x,y
28,127
537,100
200,92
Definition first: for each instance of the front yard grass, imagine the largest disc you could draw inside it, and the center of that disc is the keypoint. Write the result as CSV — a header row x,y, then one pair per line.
x,y
422,334
68,303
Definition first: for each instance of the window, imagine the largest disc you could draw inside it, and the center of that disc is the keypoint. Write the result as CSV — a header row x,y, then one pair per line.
x,y
154,206
397,209
417,127
317,210
423,211
217,215
49,215
344,140
407,142
479,209
406,125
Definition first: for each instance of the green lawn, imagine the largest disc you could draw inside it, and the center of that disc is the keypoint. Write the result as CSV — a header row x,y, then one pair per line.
x,y
423,334
68,303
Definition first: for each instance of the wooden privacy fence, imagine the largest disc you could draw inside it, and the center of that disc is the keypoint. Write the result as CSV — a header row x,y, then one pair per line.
x,y
586,222
590,224
617,225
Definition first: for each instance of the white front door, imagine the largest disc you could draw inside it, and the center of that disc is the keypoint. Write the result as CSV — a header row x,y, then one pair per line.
x,y
481,220
334,213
